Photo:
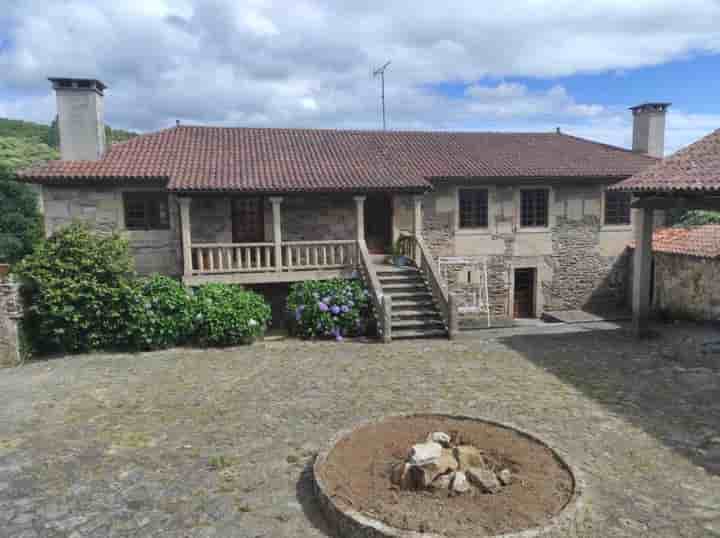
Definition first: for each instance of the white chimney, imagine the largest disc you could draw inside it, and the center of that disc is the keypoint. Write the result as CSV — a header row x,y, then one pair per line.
x,y
649,128
80,118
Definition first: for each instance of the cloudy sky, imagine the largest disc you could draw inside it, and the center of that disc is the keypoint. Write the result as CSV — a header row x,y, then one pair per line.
x,y
474,65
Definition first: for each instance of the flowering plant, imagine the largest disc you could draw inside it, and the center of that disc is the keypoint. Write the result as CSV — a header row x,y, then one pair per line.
x,y
328,308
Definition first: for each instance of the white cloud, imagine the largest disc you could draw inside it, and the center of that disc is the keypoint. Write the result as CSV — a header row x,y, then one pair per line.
x,y
309,62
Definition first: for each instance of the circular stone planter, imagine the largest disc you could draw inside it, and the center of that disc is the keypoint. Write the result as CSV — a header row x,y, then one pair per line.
x,y
347,522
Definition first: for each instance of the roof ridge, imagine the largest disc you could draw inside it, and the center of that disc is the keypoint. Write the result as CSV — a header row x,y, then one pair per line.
x,y
610,146
356,130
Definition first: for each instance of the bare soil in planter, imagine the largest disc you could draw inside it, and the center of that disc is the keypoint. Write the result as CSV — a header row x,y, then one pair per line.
x,y
357,475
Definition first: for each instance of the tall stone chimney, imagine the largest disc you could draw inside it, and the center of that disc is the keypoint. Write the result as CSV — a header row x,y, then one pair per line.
x,y
80,118
649,128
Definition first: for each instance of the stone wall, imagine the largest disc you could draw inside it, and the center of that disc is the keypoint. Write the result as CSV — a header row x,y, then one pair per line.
x,y
102,208
317,217
579,262
10,314
687,286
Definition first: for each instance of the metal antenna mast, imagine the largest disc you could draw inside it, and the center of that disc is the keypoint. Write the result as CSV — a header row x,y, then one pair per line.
x,y
381,71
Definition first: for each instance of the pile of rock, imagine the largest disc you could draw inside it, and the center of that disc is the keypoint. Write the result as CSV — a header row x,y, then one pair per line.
x,y
440,464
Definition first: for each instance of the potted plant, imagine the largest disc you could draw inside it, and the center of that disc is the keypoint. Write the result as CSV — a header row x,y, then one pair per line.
x,y
398,259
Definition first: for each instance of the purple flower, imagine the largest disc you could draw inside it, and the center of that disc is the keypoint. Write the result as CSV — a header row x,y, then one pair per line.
x,y
345,309
335,309
323,307
339,338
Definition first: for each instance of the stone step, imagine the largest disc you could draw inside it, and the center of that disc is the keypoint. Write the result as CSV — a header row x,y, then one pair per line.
x,y
419,324
422,295
412,333
401,277
402,287
412,304
384,269
415,313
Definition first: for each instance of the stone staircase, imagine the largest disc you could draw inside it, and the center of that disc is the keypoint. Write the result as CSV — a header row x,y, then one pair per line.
x,y
414,313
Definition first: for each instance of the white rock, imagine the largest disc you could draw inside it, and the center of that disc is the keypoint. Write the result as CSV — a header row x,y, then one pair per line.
x,y
459,482
442,482
483,479
424,453
440,437
505,477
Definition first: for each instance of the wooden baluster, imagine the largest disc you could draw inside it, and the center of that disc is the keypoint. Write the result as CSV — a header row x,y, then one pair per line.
x,y
332,254
267,257
238,258
200,261
306,253
211,260
257,257
324,255
289,257
341,254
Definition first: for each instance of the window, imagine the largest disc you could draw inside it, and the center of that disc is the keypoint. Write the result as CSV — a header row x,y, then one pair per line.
x,y
473,208
617,207
534,208
146,211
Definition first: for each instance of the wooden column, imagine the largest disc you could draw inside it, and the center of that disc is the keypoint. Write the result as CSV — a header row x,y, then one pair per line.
x,y
277,230
642,267
417,224
186,235
360,217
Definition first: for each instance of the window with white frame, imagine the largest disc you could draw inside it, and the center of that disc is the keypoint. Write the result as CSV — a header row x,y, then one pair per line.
x,y
473,206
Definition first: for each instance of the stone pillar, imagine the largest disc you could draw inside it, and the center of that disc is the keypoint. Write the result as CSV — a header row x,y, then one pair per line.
x,y
417,224
277,230
10,315
360,217
642,266
186,236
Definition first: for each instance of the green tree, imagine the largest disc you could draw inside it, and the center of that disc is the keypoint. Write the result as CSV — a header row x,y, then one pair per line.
x,y
20,219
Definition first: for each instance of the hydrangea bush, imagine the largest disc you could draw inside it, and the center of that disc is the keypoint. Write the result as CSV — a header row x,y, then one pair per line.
x,y
328,308
158,315
226,315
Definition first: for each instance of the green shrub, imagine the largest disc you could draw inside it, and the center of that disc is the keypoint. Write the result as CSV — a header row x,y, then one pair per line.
x,y
75,285
226,315
328,308
159,314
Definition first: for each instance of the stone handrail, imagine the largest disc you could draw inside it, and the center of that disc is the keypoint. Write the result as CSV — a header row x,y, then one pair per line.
x,y
381,303
414,248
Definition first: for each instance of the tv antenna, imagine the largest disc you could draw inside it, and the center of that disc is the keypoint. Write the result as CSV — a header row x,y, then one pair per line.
x,y
381,71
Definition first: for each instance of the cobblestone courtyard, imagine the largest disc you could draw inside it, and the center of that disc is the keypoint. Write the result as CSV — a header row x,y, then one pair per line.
x,y
194,443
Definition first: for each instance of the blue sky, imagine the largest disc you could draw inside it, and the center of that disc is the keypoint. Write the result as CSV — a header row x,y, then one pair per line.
x,y
527,65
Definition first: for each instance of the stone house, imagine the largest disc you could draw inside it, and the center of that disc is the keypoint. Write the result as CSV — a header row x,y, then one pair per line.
x,y
526,216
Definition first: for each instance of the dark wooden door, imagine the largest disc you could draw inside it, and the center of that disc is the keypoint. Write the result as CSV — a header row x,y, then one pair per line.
x,y
248,223
524,293
378,223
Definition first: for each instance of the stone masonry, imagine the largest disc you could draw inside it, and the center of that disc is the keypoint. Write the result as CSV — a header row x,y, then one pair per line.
x,y
10,314
580,263
687,286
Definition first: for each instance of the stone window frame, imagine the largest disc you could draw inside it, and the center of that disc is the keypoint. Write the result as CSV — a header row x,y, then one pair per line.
x,y
517,198
620,227
491,189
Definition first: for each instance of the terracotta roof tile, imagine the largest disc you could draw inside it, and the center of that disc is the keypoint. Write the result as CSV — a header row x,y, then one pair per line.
x,y
275,160
700,241
694,168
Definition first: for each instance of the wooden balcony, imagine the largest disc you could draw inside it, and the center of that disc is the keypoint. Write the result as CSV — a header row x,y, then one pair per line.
x,y
256,263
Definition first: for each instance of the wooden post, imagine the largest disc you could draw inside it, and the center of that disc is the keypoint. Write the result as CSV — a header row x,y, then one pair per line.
x,y
642,267
360,217
417,225
277,231
186,235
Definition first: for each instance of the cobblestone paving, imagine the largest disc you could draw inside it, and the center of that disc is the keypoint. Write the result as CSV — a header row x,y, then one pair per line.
x,y
192,443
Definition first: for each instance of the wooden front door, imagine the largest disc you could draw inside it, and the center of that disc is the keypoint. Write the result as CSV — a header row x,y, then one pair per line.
x,y
524,292
248,222
378,223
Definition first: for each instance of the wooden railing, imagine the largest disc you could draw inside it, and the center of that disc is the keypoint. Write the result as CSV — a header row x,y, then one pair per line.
x,y
209,258
414,248
381,304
